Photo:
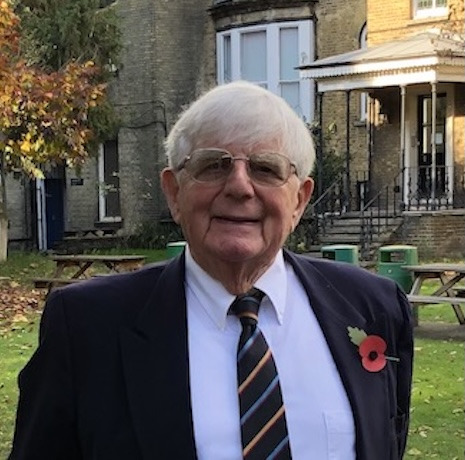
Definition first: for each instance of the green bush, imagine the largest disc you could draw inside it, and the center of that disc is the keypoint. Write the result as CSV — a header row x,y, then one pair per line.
x,y
154,235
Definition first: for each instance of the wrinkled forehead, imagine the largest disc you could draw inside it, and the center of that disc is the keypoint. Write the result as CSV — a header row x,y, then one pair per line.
x,y
240,137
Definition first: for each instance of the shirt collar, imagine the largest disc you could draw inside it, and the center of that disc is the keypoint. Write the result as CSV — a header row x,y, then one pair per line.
x,y
216,300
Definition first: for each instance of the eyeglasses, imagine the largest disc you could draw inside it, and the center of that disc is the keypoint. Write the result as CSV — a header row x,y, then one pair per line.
x,y
213,166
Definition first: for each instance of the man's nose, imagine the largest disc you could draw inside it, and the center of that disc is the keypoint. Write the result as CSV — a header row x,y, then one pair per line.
x,y
238,180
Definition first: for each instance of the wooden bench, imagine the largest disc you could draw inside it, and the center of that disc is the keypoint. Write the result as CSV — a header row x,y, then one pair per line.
x,y
49,283
428,299
455,302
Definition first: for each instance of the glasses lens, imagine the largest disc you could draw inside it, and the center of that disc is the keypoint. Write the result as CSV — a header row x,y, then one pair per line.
x,y
209,165
215,165
269,168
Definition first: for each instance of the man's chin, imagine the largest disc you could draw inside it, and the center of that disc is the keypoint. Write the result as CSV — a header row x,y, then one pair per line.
x,y
235,251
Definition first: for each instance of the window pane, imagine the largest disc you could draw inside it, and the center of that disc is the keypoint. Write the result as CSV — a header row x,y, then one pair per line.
x,y
288,54
423,4
290,92
253,56
227,76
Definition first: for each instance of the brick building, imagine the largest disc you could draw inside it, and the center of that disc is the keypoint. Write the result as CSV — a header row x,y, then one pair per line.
x,y
411,76
174,50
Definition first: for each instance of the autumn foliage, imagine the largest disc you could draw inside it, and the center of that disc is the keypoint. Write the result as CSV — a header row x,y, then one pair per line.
x,y
43,115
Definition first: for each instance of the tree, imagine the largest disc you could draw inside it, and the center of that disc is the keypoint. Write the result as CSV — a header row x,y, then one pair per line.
x,y
44,113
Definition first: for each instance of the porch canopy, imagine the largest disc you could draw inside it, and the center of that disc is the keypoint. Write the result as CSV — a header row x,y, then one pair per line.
x,y
429,57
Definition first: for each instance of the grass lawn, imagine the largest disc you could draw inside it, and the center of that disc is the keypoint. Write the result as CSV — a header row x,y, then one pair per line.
x,y
16,346
437,410
438,397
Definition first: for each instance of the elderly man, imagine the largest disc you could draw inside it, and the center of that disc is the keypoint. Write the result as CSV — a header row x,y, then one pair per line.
x,y
237,348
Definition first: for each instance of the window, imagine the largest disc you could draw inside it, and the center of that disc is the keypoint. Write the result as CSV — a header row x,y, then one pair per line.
x,y
269,55
108,172
429,8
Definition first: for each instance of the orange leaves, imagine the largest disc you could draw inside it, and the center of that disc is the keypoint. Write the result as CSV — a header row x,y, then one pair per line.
x,y
43,116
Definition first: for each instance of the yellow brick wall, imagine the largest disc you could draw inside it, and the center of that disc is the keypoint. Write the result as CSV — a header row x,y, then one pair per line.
x,y
394,20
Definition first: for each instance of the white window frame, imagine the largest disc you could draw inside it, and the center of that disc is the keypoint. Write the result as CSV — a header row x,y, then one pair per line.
x,y
306,53
433,11
102,208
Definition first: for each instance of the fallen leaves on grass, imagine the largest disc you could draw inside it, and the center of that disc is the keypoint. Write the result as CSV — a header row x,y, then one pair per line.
x,y
18,304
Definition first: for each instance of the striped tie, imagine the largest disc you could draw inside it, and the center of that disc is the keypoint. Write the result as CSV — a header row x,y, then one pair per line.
x,y
263,421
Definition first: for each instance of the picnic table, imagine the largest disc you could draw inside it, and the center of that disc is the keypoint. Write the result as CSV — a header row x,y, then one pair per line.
x,y
81,265
449,290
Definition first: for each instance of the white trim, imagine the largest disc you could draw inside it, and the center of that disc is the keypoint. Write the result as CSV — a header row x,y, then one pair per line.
x,y
41,215
383,66
101,183
432,12
413,76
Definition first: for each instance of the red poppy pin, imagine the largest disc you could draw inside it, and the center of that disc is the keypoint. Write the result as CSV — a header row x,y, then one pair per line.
x,y
371,348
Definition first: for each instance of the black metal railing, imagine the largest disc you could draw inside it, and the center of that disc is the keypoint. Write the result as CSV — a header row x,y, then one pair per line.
x,y
376,214
411,189
321,214
425,192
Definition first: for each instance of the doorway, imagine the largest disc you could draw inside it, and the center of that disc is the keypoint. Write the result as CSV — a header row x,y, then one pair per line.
x,y
54,211
426,178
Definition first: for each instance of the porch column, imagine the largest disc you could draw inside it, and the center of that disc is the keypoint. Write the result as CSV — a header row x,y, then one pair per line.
x,y
403,159
371,141
433,142
319,150
347,176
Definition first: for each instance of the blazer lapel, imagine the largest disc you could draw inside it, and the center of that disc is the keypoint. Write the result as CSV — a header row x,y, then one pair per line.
x,y
366,390
155,362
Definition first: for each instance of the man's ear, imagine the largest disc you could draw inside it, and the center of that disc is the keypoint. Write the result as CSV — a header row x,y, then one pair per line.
x,y
170,187
303,197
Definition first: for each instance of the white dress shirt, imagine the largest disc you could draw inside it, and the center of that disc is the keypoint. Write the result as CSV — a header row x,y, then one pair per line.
x,y
318,413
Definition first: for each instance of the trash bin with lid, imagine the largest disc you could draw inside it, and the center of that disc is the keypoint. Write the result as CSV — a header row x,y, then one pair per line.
x,y
341,252
391,261
174,248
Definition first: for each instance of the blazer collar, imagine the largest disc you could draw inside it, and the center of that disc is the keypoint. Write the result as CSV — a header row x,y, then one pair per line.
x,y
367,392
156,369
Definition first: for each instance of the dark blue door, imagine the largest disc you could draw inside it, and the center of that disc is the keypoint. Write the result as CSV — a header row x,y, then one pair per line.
x,y
54,210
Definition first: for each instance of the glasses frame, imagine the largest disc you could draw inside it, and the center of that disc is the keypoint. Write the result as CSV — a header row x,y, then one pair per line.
x,y
291,169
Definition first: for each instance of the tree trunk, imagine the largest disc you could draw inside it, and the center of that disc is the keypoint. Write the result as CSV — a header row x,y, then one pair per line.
x,y
3,233
3,211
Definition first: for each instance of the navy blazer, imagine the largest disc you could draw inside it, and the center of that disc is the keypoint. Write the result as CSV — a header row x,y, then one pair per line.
x,y
110,378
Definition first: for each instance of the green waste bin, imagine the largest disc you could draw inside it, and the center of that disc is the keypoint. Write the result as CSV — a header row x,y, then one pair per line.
x,y
391,261
341,252
174,248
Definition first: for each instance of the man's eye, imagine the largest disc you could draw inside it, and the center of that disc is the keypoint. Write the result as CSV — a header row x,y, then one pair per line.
x,y
264,168
210,165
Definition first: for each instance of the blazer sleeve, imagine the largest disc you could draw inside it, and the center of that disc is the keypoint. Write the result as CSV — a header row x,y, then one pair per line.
x,y
45,421
404,376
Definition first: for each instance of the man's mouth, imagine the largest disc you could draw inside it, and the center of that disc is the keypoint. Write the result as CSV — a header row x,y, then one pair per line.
x,y
236,219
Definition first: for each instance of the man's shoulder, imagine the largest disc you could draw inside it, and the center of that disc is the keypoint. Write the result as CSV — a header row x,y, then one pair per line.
x,y
122,291
335,270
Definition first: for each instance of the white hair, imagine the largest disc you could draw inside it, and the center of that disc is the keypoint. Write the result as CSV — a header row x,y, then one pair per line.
x,y
245,114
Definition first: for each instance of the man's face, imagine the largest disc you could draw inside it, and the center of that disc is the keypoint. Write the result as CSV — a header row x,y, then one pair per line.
x,y
237,221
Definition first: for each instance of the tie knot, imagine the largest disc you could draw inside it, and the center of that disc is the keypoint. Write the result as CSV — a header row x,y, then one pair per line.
x,y
246,306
